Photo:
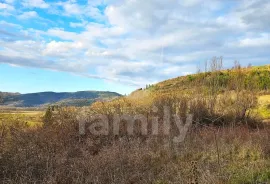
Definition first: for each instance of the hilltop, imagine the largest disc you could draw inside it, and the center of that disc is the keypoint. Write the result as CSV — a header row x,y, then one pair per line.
x,y
255,78
80,98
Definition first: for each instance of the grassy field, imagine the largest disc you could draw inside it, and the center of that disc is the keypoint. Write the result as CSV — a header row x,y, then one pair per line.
x,y
31,118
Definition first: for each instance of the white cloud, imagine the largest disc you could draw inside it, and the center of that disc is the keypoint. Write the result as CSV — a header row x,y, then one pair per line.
x,y
5,6
60,33
7,24
9,1
28,15
138,42
62,49
77,24
35,4
260,41
72,8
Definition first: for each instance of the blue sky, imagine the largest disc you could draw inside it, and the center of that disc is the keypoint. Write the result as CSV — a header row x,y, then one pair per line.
x,y
121,45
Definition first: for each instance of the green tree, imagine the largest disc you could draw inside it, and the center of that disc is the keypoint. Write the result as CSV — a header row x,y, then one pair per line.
x,y
48,117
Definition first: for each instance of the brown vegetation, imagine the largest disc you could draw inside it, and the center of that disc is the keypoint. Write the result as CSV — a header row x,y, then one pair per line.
x,y
226,144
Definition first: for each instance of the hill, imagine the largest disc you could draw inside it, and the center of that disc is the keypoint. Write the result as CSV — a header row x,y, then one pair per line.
x,y
237,93
80,98
247,78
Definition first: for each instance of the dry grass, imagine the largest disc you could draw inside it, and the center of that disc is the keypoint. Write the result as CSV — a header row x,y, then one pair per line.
x,y
58,154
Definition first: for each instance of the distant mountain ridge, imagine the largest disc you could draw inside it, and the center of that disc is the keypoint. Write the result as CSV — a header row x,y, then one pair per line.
x,y
80,98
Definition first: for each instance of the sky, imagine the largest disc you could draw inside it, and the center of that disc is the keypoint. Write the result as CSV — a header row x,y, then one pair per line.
x,y
122,45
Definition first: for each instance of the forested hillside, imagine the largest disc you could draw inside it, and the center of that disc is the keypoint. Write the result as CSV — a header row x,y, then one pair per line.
x,y
80,98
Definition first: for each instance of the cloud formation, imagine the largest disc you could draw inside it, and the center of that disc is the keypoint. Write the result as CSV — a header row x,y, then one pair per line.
x,y
35,4
134,42
28,15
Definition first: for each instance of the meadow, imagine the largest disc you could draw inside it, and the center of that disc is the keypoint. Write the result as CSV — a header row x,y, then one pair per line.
x,y
31,118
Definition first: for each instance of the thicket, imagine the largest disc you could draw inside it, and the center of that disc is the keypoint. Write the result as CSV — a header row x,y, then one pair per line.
x,y
58,154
